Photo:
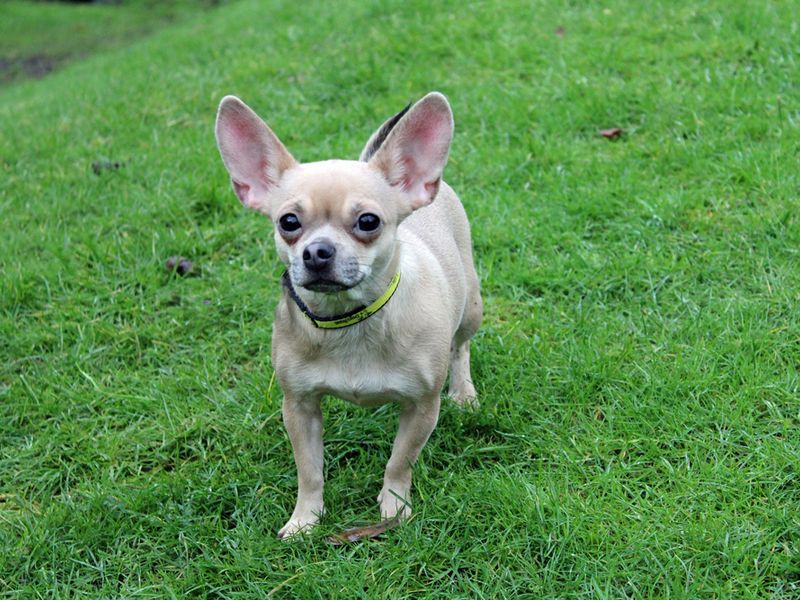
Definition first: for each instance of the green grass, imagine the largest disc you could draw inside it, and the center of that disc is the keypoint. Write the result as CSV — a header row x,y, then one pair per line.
x,y
37,37
638,363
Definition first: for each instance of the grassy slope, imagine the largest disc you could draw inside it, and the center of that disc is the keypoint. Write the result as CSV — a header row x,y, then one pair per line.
x,y
638,362
54,33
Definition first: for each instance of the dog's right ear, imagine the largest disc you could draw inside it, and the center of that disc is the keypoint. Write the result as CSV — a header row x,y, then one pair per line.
x,y
254,156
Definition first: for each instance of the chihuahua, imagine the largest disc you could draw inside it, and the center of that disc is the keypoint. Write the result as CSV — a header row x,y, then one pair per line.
x,y
380,290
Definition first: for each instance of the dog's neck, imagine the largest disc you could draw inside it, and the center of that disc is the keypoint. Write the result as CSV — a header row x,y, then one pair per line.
x,y
332,304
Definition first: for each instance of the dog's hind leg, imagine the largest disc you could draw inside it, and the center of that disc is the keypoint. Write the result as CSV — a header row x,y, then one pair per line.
x,y
462,390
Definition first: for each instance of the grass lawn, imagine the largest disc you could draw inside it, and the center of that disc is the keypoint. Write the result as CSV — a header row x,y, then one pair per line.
x,y
37,37
638,364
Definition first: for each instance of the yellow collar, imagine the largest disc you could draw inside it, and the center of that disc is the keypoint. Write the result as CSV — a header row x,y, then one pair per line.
x,y
345,320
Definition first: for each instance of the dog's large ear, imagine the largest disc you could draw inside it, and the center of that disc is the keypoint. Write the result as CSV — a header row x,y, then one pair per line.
x,y
376,139
415,151
253,155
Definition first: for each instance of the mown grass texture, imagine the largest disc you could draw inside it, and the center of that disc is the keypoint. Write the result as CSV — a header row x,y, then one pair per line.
x,y
638,363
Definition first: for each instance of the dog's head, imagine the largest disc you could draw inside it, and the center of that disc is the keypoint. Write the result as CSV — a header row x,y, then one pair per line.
x,y
336,220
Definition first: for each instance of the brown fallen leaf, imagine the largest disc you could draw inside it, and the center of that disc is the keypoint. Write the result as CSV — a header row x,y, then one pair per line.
x,y
364,532
612,133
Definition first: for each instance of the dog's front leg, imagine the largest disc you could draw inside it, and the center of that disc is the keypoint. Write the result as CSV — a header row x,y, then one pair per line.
x,y
417,421
302,418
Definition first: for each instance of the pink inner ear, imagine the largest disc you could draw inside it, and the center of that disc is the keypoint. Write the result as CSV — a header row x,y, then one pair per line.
x,y
429,129
241,190
246,153
263,170
410,172
424,151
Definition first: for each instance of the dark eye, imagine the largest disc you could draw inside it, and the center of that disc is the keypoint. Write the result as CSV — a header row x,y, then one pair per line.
x,y
289,222
368,222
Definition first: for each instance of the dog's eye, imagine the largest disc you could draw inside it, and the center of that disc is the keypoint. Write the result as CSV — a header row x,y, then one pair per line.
x,y
368,222
289,222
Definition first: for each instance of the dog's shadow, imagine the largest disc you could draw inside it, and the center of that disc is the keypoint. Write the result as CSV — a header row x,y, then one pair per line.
x,y
358,443
468,439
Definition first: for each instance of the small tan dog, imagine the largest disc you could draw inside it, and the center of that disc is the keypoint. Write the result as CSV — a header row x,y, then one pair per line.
x,y
381,294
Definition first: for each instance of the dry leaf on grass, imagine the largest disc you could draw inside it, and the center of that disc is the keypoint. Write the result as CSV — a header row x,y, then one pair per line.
x,y
612,133
357,534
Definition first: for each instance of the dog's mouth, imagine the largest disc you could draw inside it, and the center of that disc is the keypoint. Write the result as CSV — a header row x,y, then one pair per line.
x,y
326,286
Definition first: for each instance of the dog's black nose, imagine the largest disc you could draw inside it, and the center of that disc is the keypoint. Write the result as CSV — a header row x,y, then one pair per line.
x,y
318,255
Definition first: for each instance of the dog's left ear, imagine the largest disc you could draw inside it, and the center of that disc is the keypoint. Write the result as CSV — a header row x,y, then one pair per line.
x,y
376,139
415,151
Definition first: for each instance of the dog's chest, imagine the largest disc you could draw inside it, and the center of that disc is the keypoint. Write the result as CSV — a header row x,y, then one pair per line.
x,y
363,374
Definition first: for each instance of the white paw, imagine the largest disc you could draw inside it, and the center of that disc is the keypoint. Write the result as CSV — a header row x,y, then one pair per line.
x,y
464,396
395,501
298,524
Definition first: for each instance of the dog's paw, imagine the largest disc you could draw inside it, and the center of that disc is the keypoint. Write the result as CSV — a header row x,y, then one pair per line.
x,y
395,502
297,525
464,396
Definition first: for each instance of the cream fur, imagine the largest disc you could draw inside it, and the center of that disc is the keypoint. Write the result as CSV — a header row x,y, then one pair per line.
x,y
402,353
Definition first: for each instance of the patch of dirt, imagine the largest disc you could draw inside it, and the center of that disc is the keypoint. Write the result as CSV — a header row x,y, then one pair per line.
x,y
35,66
15,68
